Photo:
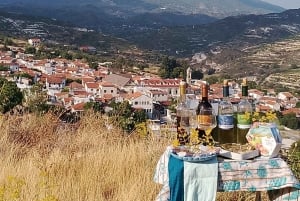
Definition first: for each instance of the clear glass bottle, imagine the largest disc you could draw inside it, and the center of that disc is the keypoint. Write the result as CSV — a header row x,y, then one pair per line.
x,y
244,115
182,115
225,118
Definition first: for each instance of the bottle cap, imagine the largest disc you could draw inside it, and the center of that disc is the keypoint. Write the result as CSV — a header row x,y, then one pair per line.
x,y
244,83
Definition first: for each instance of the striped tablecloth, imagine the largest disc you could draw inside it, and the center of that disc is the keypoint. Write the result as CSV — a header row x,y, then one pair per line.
x,y
262,174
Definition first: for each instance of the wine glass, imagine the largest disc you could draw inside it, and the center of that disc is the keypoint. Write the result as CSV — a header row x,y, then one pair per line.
x,y
207,121
193,124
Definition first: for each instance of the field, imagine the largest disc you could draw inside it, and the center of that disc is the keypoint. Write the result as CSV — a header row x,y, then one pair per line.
x,y
42,160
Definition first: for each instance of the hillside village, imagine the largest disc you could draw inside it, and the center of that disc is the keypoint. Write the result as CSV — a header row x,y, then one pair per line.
x,y
151,93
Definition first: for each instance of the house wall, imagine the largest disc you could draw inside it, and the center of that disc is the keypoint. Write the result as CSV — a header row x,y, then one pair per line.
x,y
109,90
143,102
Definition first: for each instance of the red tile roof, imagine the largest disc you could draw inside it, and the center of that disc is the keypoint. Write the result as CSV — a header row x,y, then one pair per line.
x,y
92,85
78,107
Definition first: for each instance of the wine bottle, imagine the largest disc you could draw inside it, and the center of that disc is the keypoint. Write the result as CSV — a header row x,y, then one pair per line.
x,y
182,115
225,118
203,105
244,115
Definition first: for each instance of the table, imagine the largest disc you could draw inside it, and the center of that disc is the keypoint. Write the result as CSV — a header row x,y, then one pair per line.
x,y
262,174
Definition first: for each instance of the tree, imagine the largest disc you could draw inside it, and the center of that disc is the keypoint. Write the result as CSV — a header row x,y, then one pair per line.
x,y
35,99
30,50
95,106
197,74
10,95
126,116
289,120
212,79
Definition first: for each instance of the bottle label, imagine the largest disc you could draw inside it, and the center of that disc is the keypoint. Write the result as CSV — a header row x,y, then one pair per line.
x,y
204,119
225,121
244,120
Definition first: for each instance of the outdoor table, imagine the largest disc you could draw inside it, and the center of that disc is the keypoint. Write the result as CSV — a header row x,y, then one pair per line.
x,y
260,174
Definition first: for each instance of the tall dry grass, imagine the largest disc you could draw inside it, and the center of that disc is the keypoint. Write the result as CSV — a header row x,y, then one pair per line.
x,y
42,160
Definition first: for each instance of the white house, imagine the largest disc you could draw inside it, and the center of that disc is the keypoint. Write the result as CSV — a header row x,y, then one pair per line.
x,y
170,86
141,101
34,42
93,88
158,95
55,84
255,94
108,88
286,96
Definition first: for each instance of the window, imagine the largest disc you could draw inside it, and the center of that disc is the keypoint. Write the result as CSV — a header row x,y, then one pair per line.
x,y
111,91
135,102
104,91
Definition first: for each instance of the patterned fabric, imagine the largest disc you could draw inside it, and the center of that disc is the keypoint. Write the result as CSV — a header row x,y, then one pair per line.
x,y
248,175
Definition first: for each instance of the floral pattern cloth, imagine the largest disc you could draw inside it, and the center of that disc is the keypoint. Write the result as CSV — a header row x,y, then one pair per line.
x,y
261,174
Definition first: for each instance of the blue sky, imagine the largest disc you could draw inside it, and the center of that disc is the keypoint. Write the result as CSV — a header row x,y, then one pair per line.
x,y
288,4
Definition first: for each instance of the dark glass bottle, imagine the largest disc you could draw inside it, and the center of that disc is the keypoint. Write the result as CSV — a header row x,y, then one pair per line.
x,y
225,118
244,115
203,104
182,115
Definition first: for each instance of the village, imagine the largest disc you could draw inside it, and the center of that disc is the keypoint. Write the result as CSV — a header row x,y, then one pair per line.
x,y
152,94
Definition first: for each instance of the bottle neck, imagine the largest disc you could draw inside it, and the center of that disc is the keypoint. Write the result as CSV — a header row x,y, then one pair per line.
x,y
182,93
245,92
225,92
205,93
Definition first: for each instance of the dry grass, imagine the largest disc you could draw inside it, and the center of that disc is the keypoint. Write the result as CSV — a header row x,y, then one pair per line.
x,y
43,161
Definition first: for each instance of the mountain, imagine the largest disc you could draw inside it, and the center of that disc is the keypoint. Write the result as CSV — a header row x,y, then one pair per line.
x,y
106,15
236,31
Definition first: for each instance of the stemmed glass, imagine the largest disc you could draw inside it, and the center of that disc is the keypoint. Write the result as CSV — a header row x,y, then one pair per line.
x,y
207,121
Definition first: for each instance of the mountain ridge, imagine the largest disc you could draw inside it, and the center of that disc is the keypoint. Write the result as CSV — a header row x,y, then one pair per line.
x,y
100,14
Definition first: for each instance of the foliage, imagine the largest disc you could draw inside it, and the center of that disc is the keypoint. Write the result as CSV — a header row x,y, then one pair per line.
x,y
8,41
30,50
172,68
289,120
35,99
127,116
293,158
4,68
197,74
95,106
93,65
10,95
294,66
26,75
66,89
212,79
252,85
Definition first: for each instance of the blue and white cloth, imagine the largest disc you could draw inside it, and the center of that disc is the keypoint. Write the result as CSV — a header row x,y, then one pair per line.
x,y
272,175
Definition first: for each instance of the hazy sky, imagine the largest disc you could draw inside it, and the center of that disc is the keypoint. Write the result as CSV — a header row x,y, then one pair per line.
x,y
289,4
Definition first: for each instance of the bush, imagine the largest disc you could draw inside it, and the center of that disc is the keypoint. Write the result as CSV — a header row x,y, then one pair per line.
x,y
294,158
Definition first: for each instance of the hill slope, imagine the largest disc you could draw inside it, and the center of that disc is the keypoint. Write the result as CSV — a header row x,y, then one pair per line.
x,y
105,14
